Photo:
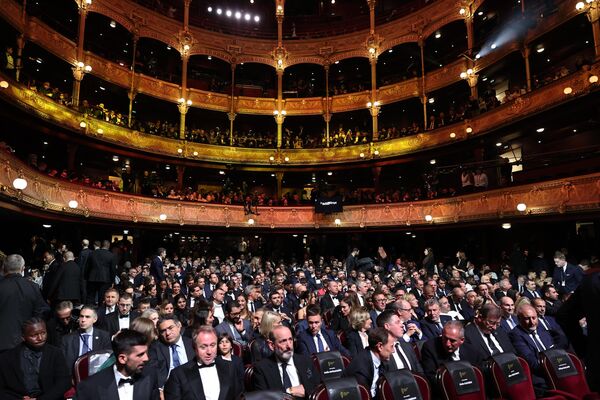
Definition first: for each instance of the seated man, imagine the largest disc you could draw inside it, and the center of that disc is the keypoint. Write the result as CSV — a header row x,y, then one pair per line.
x,y
33,369
239,329
317,339
450,346
509,321
404,356
285,371
528,340
433,323
62,323
129,378
549,324
484,335
87,338
205,376
370,363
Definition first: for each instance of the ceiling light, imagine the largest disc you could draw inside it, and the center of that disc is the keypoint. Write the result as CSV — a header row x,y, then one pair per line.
x,y
115,158
73,204
209,9
480,13
256,18
591,79
540,49
20,183
3,84
579,6
493,46
221,172
452,135
47,226
390,51
113,24
432,161
228,13
408,233
247,17
431,100
521,207
162,217
438,35
238,15
219,11
540,130
506,225
329,173
469,129
428,218
498,144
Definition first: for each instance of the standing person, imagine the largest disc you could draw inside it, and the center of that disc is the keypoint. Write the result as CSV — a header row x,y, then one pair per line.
x,y
34,369
429,261
82,261
100,272
352,261
67,282
129,378
20,300
204,376
566,276
51,270
156,265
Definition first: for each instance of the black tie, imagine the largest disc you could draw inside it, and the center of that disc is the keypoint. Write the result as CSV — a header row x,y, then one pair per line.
x,y
491,344
381,369
123,381
401,355
287,383
212,364
124,316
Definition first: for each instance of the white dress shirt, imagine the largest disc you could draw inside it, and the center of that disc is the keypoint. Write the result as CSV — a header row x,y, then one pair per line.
x,y
493,339
316,340
398,359
125,390
376,364
218,312
210,382
180,352
291,371
123,323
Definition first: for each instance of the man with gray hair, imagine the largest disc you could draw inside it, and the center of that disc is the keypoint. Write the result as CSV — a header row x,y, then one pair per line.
x,y
20,300
67,283
253,296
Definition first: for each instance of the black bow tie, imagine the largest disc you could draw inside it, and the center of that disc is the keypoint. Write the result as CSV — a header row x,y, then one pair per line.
x,y
125,381
212,364
124,316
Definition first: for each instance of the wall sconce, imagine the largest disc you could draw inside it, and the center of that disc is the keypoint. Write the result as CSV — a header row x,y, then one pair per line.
x,y
162,217
337,222
428,218
521,207
251,221
20,183
73,204
3,84
279,157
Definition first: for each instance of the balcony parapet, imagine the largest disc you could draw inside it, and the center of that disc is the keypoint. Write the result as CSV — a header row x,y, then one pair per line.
x,y
578,194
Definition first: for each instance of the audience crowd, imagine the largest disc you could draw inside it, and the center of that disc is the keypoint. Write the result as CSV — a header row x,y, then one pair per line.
x,y
237,318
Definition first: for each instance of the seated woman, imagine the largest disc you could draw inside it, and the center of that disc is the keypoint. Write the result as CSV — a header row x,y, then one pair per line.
x,y
358,337
244,314
152,315
181,310
415,312
225,351
341,314
259,347
165,308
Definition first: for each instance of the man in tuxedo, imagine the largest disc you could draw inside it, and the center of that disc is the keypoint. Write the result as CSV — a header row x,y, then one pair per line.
x,y
204,376
209,288
100,273
239,329
20,299
129,378
550,295
331,299
457,299
194,296
567,277
62,323
51,269
433,323
468,308
276,305
450,346
484,335
509,321
123,317
156,265
67,282
86,338
317,339
528,341
531,291
33,369
404,356
549,324
285,371
172,349
368,365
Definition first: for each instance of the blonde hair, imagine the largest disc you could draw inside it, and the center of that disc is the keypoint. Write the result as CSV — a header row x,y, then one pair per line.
x,y
358,318
146,327
267,322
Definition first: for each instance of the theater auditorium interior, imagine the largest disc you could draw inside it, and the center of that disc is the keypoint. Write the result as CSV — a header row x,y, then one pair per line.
x,y
298,199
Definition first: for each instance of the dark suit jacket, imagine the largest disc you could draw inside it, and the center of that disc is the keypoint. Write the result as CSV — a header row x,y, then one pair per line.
x,y
431,330
525,346
415,364
238,366
468,312
185,383
498,294
354,343
326,303
101,266
433,355
305,343
473,337
504,325
267,376
156,269
70,345
554,329
56,330
102,386
20,300
54,377
572,278
50,278
160,355
110,322
361,367
83,259
529,294
67,283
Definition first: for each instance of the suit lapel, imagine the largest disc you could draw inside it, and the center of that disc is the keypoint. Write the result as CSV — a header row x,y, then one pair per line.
x,y
142,389
194,381
224,380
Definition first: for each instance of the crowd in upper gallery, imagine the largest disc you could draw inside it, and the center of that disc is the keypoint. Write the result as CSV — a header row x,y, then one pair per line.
x,y
173,325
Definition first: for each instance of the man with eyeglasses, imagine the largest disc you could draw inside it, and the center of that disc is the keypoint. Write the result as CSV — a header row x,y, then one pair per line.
x,y
412,328
123,317
484,334
379,303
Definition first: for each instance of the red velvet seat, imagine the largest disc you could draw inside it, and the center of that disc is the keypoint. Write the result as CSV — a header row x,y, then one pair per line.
x,y
248,373
571,387
448,388
502,389
237,349
386,392
90,363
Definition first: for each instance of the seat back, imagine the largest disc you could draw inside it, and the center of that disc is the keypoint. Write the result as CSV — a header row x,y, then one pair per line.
x,y
266,395
459,380
90,363
403,384
564,371
340,389
510,377
330,364
237,348
417,346
248,374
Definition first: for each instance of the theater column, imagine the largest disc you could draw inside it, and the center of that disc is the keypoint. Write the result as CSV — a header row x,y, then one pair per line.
x,y
525,52
79,69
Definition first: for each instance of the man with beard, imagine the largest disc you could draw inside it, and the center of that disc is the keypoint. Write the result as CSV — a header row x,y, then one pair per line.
x,y
239,329
33,369
127,379
285,371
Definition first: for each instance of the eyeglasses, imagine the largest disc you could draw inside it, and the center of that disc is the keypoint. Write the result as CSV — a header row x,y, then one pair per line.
x,y
125,305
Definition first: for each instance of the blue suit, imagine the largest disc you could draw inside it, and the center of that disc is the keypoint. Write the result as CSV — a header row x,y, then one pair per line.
x,y
431,330
506,327
568,280
550,325
306,345
525,346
